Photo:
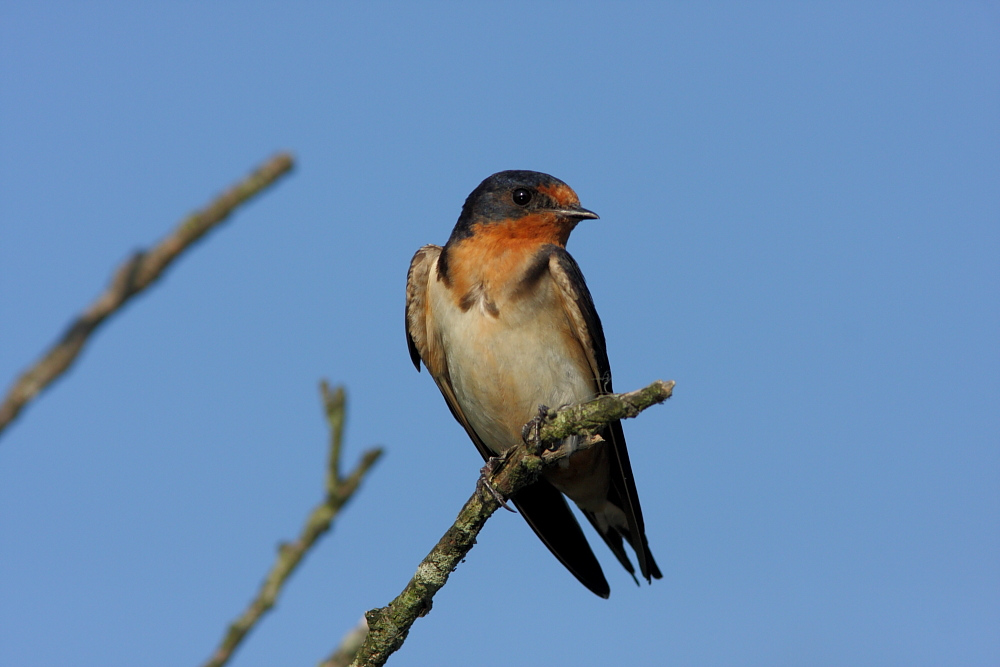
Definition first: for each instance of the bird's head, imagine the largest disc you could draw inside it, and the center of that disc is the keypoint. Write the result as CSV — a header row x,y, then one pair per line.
x,y
521,201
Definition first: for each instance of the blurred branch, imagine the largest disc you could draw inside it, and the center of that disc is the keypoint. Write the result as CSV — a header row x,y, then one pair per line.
x,y
343,656
520,467
338,492
133,276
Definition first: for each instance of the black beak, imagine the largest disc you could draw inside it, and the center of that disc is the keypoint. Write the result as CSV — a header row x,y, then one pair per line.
x,y
578,213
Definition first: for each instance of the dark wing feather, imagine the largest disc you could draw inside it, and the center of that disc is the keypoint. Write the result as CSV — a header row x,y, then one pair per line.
x,y
587,325
414,354
541,505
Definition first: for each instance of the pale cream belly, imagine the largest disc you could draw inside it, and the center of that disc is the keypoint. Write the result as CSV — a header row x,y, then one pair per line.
x,y
502,368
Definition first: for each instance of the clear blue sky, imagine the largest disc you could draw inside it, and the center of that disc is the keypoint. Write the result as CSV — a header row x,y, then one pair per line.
x,y
800,224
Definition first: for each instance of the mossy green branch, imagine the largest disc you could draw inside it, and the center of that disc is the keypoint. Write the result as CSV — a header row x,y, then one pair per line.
x,y
591,417
389,626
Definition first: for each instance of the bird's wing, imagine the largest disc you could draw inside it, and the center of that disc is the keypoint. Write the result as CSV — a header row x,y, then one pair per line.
x,y
586,326
416,301
541,505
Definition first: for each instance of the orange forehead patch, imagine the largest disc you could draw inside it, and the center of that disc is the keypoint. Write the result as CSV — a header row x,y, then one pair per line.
x,y
561,193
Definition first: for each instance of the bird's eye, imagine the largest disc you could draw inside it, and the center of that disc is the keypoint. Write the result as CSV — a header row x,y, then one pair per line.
x,y
522,196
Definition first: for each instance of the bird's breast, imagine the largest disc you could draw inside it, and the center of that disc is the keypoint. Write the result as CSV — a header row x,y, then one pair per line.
x,y
509,347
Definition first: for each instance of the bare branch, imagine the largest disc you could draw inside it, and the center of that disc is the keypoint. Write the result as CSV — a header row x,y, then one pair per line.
x,y
389,625
133,276
338,492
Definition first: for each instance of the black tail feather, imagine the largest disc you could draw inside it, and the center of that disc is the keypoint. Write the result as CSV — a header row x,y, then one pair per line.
x,y
623,494
614,541
546,511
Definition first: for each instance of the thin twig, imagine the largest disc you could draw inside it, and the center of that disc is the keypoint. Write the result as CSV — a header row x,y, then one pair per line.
x,y
389,625
136,274
338,492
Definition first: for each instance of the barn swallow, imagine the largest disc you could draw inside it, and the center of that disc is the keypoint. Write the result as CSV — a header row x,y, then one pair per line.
x,y
504,322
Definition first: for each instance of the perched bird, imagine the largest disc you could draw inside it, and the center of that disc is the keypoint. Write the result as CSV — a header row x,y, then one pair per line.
x,y
504,323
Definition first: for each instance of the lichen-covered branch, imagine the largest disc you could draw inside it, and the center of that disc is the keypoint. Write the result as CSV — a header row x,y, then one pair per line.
x,y
133,276
389,625
290,554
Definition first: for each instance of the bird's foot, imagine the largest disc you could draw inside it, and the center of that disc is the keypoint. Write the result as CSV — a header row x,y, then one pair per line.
x,y
484,480
532,431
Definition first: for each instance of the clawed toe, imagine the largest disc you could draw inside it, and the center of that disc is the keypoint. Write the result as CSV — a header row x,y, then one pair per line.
x,y
532,431
484,479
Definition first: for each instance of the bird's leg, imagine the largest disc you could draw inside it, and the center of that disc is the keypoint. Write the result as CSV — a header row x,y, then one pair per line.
x,y
487,471
532,431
